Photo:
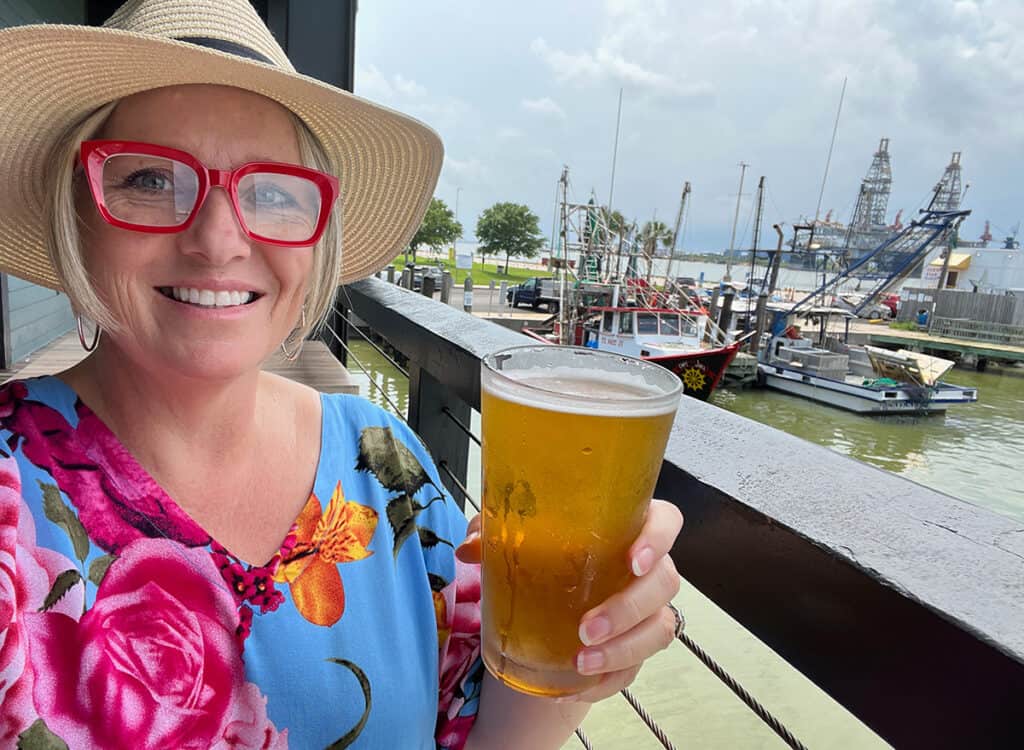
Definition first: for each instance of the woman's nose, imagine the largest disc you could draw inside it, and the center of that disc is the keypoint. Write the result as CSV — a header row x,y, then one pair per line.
x,y
216,234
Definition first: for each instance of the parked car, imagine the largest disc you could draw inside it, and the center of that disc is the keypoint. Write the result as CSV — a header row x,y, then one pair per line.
x,y
419,272
532,292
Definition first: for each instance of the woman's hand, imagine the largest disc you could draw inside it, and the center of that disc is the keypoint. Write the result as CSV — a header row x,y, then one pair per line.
x,y
629,627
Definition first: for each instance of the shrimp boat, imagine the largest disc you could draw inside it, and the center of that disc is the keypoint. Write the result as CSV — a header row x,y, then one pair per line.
x,y
608,300
674,337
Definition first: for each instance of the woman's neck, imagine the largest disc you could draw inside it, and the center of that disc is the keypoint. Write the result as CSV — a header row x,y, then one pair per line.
x,y
161,414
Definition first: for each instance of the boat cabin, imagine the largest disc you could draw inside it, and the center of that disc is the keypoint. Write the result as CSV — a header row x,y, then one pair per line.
x,y
644,332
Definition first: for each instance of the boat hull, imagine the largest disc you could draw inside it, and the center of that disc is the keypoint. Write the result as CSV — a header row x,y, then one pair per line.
x,y
699,371
862,399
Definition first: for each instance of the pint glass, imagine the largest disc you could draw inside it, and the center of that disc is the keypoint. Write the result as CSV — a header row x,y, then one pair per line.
x,y
573,441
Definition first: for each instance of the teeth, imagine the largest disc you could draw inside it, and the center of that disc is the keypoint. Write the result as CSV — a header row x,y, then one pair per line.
x,y
210,298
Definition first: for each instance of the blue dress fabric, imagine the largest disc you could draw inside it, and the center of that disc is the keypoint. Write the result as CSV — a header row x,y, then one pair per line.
x,y
123,624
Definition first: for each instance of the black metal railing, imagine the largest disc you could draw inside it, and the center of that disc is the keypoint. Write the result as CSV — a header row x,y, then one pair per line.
x,y
902,603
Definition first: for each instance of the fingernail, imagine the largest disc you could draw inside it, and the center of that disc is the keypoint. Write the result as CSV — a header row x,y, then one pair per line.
x,y
643,561
589,661
594,630
567,699
471,537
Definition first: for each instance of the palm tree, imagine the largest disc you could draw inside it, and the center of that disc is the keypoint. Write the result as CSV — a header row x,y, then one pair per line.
x,y
652,234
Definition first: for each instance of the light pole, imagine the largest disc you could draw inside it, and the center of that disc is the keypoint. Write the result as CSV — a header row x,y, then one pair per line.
x,y
455,243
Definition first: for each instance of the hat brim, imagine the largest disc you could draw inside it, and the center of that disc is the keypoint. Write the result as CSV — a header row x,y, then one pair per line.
x,y
388,163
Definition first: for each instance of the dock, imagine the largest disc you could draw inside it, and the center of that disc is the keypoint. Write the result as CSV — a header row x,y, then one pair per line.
x,y
921,341
315,365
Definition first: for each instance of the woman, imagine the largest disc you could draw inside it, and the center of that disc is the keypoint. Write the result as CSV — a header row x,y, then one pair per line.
x,y
195,553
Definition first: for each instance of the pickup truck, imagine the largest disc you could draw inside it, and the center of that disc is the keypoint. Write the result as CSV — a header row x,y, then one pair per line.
x,y
537,292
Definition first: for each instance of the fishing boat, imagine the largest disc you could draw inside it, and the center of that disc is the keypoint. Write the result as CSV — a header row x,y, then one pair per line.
x,y
609,299
671,337
865,380
861,379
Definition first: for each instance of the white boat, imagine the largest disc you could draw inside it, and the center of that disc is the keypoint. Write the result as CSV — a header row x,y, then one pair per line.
x,y
865,380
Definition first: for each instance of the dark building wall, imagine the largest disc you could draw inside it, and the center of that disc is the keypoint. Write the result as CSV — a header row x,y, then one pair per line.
x,y
37,315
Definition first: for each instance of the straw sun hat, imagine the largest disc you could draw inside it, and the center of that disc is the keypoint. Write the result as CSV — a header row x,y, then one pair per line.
x,y
51,76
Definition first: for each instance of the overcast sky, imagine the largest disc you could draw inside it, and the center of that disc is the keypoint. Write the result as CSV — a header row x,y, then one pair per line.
x,y
517,89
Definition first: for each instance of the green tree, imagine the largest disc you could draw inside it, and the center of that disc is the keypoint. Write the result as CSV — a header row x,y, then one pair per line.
x,y
438,228
652,234
509,228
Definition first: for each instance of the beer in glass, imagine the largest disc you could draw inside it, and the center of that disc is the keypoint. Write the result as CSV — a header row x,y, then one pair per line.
x,y
573,440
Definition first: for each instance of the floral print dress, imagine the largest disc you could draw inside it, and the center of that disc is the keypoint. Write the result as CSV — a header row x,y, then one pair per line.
x,y
124,625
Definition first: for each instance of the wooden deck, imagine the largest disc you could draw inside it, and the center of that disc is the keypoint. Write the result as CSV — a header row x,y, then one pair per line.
x,y
316,366
921,341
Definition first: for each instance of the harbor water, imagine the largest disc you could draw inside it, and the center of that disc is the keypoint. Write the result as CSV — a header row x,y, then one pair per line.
x,y
973,451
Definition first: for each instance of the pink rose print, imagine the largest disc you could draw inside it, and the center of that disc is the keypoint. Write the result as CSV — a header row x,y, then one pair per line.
x,y
458,652
10,396
153,664
27,574
116,500
250,730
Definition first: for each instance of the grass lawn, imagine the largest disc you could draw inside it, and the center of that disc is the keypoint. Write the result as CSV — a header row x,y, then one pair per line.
x,y
483,273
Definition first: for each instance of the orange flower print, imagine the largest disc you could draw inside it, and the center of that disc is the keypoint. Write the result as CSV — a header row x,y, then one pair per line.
x,y
340,535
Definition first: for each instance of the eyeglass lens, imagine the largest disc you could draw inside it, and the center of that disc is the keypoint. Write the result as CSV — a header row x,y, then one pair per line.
x,y
157,191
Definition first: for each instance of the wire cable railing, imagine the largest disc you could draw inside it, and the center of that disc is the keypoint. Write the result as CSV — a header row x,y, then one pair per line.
x,y
748,700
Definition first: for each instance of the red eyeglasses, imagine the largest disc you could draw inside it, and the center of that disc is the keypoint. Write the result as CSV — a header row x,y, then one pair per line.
x,y
149,188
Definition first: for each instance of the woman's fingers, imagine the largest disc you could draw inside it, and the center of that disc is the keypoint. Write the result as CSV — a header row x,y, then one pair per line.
x,y
632,648
659,532
469,551
633,605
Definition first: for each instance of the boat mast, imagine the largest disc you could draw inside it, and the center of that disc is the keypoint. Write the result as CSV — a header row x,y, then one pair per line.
x,y
675,235
735,220
564,318
759,212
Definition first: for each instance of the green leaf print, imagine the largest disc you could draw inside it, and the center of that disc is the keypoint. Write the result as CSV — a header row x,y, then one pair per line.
x,y
58,512
429,539
98,568
61,586
38,737
387,458
402,512
364,683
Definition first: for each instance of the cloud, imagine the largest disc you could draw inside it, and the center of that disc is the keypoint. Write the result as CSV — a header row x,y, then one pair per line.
x,y
469,170
605,63
508,134
543,106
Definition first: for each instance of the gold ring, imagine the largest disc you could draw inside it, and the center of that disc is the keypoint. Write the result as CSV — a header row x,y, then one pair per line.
x,y
680,620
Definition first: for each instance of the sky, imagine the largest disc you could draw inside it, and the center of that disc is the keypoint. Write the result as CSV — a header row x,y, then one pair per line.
x,y
518,89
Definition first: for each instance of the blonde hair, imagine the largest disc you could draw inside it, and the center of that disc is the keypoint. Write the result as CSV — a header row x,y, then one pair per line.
x,y
63,227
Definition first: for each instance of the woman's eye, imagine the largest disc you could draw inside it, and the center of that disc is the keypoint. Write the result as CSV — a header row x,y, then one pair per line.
x,y
271,196
149,180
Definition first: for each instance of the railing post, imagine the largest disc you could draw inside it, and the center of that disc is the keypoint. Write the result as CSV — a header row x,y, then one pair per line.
x,y
467,296
391,274
446,442
760,316
725,316
427,286
338,322
446,286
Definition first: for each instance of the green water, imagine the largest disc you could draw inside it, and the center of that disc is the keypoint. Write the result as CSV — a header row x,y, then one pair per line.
x,y
974,451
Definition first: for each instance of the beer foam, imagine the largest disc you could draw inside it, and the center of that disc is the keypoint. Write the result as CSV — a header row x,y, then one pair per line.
x,y
576,390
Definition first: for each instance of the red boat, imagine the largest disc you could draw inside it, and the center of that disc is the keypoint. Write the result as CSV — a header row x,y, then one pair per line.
x,y
674,339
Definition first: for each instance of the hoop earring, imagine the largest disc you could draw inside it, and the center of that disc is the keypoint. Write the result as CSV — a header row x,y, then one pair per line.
x,y
292,356
81,335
